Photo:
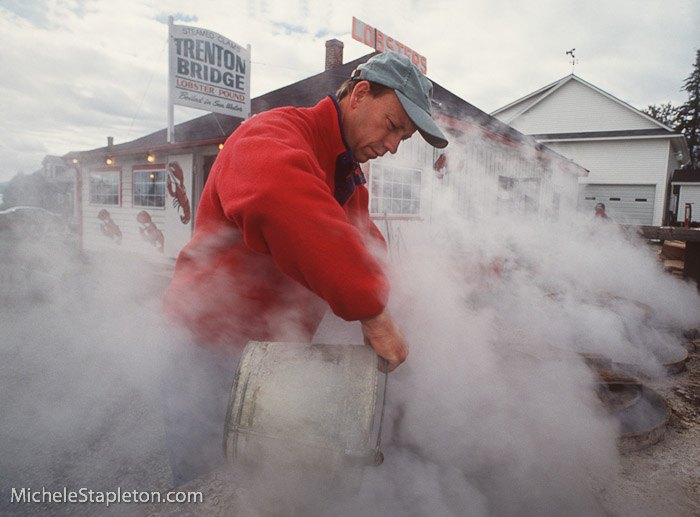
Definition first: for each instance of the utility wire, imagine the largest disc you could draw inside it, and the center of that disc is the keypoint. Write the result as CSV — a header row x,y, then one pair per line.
x,y
145,92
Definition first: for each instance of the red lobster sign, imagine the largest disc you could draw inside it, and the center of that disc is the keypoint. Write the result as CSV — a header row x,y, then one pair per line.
x,y
440,166
149,231
109,227
176,188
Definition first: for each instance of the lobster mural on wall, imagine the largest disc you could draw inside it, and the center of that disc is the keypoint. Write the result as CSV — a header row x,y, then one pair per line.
x,y
109,228
149,231
176,188
440,166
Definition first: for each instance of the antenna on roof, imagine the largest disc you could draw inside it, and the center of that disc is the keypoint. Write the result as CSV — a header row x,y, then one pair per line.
x,y
573,61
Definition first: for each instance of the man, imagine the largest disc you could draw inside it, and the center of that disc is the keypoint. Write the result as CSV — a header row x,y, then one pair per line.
x,y
283,228
600,212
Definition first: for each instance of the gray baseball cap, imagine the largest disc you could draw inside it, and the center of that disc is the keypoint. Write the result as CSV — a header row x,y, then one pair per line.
x,y
413,89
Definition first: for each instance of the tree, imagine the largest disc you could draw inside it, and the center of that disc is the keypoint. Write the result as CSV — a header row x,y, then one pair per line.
x,y
686,117
26,189
689,113
667,114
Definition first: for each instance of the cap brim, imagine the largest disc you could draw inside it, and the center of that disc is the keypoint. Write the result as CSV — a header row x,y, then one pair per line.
x,y
426,125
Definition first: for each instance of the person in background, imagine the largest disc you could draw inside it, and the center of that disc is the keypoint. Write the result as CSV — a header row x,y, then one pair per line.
x,y
600,212
283,233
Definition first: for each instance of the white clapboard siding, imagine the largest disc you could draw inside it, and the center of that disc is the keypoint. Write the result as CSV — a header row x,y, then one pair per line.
x,y
485,177
576,108
618,161
124,216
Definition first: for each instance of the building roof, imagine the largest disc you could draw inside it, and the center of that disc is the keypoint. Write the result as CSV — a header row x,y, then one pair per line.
x,y
50,158
215,128
686,175
596,135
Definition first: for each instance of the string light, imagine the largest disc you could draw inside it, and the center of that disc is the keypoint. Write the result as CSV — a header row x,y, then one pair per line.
x,y
151,157
109,160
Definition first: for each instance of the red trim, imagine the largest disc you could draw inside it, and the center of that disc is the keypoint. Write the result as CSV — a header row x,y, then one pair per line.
x,y
148,167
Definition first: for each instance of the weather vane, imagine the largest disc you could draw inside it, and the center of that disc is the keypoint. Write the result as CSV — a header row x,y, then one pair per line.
x,y
573,58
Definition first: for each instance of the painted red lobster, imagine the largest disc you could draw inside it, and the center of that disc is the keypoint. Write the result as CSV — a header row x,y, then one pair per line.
x,y
176,188
149,231
440,166
109,228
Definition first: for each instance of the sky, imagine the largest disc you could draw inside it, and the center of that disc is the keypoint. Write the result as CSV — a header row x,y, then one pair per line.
x,y
77,71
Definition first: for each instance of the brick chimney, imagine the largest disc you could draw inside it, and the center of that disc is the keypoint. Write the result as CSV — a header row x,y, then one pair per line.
x,y
334,53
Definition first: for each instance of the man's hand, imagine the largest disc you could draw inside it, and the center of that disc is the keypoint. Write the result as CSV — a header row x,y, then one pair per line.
x,y
382,334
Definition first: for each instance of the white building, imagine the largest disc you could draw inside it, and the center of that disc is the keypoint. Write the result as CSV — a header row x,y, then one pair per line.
x,y
61,178
629,155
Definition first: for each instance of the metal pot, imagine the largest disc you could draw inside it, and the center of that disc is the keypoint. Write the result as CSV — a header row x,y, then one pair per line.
x,y
306,404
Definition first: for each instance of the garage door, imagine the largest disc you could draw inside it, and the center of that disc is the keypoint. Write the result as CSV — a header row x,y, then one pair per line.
x,y
626,204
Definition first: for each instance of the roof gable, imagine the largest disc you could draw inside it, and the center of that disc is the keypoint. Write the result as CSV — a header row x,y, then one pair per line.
x,y
515,108
571,105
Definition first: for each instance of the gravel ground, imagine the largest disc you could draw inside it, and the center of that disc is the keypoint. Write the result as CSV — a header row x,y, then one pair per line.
x,y
664,479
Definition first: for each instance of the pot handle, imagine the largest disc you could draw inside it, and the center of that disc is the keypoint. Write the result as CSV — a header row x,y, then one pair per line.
x,y
378,456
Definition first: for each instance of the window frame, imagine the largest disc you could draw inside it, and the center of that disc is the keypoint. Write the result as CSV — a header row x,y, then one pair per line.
x,y
104,172
519,193
378,184
151,168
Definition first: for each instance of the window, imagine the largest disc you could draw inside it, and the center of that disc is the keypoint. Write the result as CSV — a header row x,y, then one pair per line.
x,y
56,171
506,186
521,194
105,187
395,190
149,188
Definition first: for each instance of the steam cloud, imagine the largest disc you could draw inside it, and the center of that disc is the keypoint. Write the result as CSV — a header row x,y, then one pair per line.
x,y
493,414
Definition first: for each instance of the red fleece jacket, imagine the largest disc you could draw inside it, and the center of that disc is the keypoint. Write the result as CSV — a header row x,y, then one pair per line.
x,y
271,242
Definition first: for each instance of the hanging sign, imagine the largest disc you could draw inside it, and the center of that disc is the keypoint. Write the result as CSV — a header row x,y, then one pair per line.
x,y
208,71
381,42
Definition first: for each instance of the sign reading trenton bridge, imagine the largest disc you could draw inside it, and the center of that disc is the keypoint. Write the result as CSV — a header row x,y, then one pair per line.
x,y
208,71
376,39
